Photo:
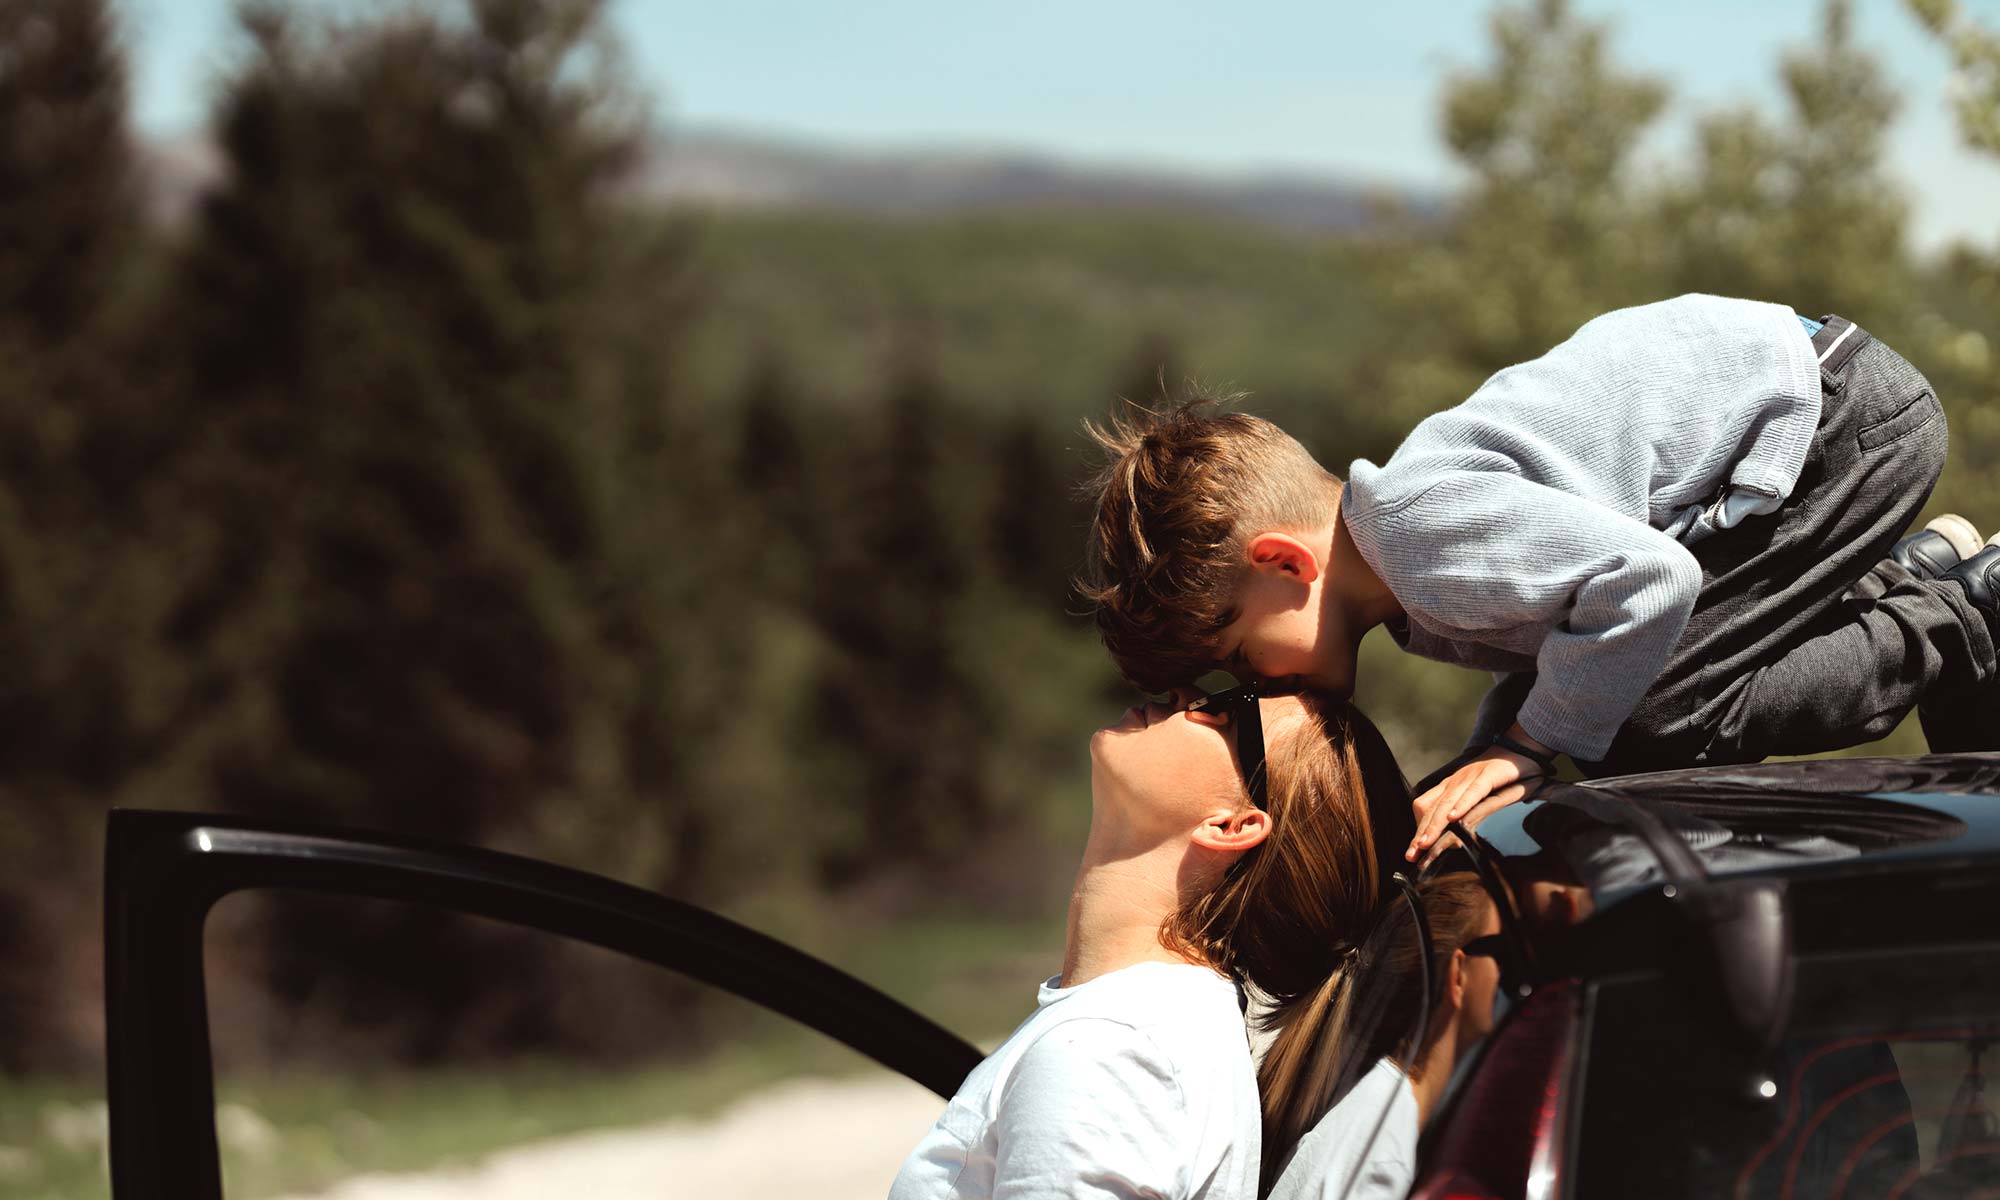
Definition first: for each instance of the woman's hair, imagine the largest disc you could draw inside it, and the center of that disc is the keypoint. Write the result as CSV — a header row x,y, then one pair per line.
x,y
1363,1009
1283,914
1286,916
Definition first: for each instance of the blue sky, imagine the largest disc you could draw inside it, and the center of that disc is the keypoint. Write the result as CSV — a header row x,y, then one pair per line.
x,y
1324,86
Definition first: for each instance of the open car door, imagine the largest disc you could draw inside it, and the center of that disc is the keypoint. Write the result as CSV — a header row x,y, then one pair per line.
x,y
165,870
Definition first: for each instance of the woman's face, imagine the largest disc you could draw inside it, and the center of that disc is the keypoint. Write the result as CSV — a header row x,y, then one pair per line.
x,y
1482,983
1165,762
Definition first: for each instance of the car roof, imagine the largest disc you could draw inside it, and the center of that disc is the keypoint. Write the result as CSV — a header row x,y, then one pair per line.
x,y
1788,818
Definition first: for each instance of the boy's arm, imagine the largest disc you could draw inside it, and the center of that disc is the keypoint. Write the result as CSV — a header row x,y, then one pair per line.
x,y
1489,550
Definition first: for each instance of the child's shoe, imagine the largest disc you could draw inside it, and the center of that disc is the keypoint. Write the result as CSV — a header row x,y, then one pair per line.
x,y
1980,577
1938,547
1969,720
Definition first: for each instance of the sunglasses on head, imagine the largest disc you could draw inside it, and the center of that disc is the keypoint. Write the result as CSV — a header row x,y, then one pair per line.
x,y
1246,724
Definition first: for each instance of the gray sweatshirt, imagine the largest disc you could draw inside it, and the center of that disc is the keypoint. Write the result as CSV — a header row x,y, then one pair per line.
x,y
1544,523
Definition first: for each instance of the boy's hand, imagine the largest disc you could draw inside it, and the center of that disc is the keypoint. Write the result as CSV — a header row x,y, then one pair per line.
x,y
1495,779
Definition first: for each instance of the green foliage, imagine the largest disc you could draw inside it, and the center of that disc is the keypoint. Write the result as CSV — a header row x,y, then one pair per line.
x,y
1551,230
1961,329
420,483
84,706
1046,313
1803,212
1975,52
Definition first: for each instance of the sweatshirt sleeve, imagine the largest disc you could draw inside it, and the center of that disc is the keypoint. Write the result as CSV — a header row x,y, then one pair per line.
x,y
1092,1110
1489,550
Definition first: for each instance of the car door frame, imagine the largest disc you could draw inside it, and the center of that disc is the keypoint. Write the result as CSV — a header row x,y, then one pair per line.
x,y
164,871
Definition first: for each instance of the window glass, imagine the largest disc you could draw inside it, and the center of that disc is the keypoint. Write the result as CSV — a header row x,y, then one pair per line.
x,y
385,1049
1877,1090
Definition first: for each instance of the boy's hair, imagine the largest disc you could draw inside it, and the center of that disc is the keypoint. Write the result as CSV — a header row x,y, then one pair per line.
x,y
1182,490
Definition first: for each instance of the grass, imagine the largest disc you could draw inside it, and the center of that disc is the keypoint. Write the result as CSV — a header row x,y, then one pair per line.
x,y
286,1131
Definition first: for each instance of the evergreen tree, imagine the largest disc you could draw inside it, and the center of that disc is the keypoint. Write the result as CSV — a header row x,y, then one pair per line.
x,y
1804,213
446,539
1151,374
1960,347
87,698
1551,231
1036,527
1975,52
772,479
892,701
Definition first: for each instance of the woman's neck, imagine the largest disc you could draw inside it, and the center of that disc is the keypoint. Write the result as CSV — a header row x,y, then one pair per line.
x,y
1116,910
1434,1072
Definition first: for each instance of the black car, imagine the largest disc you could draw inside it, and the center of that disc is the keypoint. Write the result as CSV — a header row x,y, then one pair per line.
x,y
1773,981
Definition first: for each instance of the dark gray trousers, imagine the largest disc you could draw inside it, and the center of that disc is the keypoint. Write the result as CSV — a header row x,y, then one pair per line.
x,y
1802,639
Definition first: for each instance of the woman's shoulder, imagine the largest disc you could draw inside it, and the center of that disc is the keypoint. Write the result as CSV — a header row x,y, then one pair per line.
x,y
1152,1024
1364,1146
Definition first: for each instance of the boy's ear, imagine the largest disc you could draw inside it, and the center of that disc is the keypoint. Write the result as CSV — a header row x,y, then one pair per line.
x,y
1284,553
1233,830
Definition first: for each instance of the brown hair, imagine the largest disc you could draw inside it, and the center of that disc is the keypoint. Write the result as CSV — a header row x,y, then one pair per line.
x,y
1327,1034
1182,490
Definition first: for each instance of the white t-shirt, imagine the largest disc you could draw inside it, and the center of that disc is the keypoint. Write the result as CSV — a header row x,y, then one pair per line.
x,y
1137,1083
1364,1148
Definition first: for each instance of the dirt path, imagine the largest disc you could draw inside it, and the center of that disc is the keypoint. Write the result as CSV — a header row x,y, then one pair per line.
x,y
827,1139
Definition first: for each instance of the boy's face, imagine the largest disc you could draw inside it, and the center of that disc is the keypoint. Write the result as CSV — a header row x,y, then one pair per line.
x,y
1285,630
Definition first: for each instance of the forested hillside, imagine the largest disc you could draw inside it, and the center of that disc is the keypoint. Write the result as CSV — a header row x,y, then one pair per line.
x,y
421,480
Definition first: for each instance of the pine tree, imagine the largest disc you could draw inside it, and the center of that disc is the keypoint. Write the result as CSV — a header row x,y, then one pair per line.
x,y
1552,230
1975,52
1805,212
1151,374
86,696
772,477
449,579
1036,526
1960,339
900,715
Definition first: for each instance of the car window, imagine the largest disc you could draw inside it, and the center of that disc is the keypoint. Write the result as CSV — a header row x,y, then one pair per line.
x,y
471,1057
1877,1089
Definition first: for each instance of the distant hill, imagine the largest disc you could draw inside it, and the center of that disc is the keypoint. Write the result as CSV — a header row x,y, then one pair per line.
x,y
727,170
731,171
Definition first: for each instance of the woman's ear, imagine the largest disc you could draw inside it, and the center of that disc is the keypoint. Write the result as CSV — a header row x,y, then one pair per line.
x,y
1285,554
1454,984
1233,830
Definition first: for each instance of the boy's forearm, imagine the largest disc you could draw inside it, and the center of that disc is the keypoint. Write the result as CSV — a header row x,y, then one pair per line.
x,y
1498,708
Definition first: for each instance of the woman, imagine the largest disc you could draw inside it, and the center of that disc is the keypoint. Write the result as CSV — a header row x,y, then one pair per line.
x,y
1207,864
1374,1046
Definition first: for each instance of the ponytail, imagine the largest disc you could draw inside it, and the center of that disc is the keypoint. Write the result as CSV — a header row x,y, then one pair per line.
x,y
1363,1011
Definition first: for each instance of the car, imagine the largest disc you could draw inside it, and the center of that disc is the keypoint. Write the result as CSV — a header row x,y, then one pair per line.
x,y
1764,981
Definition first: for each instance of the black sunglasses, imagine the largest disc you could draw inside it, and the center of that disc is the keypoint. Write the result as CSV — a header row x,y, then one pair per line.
x,y
1493,945
1510,948
1246,724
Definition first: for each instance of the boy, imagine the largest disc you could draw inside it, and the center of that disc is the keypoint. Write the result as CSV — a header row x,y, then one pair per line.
x,y
1653,534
